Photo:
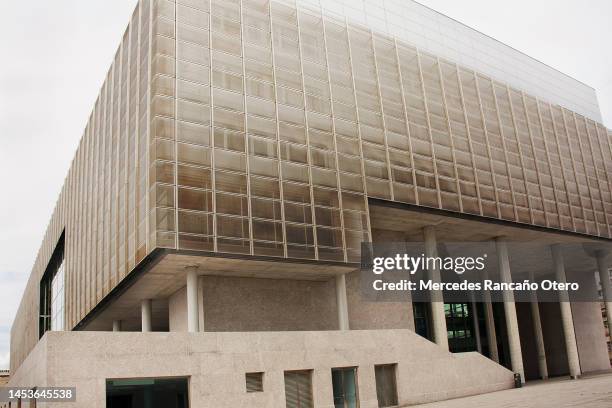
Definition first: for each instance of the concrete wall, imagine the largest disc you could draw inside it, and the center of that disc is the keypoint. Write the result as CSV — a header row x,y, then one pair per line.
x,y
368,315
278,305
590,337
216,364
177,310
589,329
251,304
33,370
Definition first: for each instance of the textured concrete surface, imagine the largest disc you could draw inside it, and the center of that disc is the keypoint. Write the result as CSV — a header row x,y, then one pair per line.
x,y
247,304
217,362
285,304
587,392
588,327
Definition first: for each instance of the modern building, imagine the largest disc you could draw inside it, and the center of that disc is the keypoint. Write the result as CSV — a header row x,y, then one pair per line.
x,y
204,249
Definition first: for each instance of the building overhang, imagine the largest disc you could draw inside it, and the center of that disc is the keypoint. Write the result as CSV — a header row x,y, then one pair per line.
x,y
457,227
164,271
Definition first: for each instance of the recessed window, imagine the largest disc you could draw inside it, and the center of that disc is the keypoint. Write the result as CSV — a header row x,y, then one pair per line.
x,y
386,386
254,382
147,393
298,389
57,299
344,383
51,306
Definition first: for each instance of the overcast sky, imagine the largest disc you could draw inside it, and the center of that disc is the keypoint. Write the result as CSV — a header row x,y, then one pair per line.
x,y
56,54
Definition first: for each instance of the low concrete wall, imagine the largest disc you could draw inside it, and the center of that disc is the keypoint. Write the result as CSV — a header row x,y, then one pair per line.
x,y
216,364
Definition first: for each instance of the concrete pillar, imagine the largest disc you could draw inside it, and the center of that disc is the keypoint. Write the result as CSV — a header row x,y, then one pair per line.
x,y
145,311
437,302
514,339
490,322
567,319
201,303
537,332
116,325
475,323
342,303
192,301
606,287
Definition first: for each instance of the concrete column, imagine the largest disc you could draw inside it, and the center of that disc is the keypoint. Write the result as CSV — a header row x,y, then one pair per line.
x,y
437,302
145,311
490,322
192,301
475,323
342,303
566,314
116,325
514,339
537,332
201,303
606,287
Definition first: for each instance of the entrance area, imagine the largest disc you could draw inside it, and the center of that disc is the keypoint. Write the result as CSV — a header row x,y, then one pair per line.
x,y
461,321
147,393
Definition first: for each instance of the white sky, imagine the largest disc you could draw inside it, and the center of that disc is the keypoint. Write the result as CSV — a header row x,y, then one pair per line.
x,y
56,54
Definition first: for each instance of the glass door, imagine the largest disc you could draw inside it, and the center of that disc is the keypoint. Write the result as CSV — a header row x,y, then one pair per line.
x,y
344,381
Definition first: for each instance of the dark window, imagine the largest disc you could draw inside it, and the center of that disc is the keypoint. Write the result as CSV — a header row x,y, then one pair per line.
x,y
421,319
460,327
386,386
298,389
344,382
254,382
147,393
51,302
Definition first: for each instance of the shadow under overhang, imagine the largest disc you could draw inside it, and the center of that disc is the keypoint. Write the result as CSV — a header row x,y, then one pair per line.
x,y
452,226
166,272
163,272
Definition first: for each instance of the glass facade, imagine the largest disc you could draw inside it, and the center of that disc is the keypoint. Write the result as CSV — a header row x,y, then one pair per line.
x,y
262,127
57,299
246,153
437,34
273,123
460,327
51,304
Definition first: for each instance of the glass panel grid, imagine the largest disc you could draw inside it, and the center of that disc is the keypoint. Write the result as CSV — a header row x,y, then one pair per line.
x,y
317,111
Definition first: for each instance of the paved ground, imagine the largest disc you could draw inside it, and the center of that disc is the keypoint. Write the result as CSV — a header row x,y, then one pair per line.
x,y
589,392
